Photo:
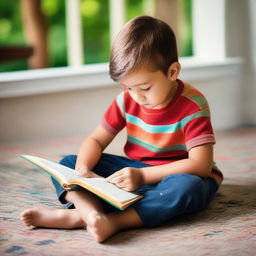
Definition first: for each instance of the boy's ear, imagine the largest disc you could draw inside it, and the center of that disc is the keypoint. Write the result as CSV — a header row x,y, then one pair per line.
x,y
173,71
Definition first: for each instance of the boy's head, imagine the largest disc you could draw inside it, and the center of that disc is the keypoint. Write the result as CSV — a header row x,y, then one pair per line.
x,y
144,41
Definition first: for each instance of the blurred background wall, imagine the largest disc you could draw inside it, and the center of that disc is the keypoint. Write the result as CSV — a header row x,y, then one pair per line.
x,y
66,107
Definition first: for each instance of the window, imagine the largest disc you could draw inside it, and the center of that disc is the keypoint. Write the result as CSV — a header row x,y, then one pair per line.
x,y
96,28
209,59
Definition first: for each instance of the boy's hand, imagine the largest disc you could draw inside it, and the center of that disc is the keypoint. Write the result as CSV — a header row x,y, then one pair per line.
x,y
86,173
128,178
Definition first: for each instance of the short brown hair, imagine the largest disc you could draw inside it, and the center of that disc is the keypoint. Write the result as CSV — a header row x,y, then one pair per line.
x,y
143,40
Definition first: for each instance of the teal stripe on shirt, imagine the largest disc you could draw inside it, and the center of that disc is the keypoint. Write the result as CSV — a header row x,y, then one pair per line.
x,y
200,100
120,102
165,128
154,148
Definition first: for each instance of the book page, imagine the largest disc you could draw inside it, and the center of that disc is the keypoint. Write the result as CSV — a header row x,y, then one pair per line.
x,y
64,173
70,176
110,190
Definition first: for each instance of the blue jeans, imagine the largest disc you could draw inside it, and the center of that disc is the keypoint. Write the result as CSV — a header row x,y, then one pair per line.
x,y
173,196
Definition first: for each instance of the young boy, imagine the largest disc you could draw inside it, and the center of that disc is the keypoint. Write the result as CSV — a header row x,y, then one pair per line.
x,y
169,142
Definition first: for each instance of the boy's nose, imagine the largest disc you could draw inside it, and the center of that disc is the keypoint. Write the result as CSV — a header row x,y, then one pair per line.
x,y
141,99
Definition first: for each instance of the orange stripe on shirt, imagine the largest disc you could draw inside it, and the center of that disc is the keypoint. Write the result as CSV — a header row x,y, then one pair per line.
x,y
157,139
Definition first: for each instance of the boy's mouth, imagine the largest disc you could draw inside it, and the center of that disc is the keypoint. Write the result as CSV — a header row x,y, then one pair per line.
x,y
147,106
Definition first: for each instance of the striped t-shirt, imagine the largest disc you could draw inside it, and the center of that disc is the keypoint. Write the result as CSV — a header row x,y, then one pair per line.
x,y
160,136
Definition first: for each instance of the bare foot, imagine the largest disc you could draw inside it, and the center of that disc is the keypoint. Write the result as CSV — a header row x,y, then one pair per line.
x,y
100,226
45,216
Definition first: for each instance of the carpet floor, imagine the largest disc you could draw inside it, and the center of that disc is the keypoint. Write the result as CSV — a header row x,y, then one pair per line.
x,y
226,227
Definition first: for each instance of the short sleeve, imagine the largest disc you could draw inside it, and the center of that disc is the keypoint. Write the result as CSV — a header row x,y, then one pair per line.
x,y
198,129
114,118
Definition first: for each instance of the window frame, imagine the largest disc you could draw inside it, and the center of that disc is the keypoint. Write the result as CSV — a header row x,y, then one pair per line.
x,y
205,63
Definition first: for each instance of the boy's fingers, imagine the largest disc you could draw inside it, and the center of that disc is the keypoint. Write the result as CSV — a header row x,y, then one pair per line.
x,y
115,177
116,180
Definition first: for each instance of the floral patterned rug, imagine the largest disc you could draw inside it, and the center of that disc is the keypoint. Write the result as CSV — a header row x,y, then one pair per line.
x,y
226,227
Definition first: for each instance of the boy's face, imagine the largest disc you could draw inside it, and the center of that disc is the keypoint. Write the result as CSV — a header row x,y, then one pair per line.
x,y
153,90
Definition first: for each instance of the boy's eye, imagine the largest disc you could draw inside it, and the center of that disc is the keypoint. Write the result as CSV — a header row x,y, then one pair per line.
x,y
146,89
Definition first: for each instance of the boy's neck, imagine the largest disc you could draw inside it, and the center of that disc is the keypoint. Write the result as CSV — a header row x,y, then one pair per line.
x,y
174,87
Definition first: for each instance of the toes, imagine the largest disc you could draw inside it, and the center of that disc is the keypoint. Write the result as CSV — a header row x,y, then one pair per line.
x,y
27,221
26,213
93,232
96,225
92,225
26,217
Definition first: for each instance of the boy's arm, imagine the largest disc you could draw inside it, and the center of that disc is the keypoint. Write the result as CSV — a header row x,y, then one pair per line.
x,y
199,162
92,148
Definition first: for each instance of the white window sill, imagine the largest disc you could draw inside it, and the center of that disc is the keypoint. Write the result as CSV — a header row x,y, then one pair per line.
x,y
40,81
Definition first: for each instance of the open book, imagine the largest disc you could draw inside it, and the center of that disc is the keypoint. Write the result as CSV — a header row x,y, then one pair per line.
x,y
99,186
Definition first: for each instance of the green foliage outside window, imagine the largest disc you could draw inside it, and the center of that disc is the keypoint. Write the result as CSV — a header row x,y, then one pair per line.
x,y
54,12
11,32
95,29
186,39
95,22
